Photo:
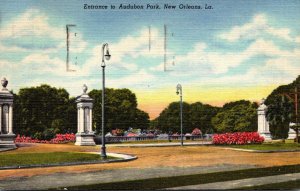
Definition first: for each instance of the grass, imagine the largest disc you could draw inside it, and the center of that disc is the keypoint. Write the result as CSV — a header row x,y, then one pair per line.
x,y
269,146
295,184
168,182
45,158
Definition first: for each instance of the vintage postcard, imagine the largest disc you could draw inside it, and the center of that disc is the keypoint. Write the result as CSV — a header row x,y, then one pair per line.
x,y
152,94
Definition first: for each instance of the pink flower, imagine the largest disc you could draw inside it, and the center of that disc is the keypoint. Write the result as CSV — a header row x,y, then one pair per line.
x,y
239,138
59,138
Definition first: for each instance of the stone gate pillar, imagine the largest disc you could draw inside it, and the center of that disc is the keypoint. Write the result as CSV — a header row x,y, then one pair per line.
x,y
6,117
263,124
85,135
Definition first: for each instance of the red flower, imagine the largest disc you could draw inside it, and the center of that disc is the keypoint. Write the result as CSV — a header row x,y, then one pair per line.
x,y
239,138
59,138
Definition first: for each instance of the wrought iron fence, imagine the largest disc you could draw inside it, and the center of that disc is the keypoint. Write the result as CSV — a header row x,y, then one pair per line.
x,y
120,139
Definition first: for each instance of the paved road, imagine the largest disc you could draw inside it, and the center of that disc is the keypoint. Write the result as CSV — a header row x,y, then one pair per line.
x,y
74,179
241,183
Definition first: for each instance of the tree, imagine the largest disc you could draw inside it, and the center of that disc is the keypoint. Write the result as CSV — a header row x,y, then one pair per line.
x,y
153,124
279,115
201,115
169,119
236,116
43,111
286,90
141,120
120,110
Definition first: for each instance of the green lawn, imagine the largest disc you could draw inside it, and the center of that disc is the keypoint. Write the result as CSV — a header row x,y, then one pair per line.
x,y
45,158
168,182
269,146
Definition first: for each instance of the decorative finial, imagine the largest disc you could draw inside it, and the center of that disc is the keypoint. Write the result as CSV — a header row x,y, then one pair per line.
x,y
4,83
84,88
262,101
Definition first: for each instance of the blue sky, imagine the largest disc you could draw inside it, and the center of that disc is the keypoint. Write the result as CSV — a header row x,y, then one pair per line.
x,y
237,50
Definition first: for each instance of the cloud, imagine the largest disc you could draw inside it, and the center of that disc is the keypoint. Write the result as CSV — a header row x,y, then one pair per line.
x,y
203,60
139,78
256,28
31,23
202,65
135,46
32,31
126,51
43,64
297,39
280,69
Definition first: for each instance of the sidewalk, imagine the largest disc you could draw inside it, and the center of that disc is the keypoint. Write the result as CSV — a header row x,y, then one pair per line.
x,y
62,180
234,184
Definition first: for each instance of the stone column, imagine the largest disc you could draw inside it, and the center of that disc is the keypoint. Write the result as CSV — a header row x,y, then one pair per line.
x,y
78,118
263,124
84,135
10,122
81,124
6,117
90,126
88,119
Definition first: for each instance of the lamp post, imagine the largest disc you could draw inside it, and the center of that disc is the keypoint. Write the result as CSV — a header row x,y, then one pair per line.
x,y
179,91
107,57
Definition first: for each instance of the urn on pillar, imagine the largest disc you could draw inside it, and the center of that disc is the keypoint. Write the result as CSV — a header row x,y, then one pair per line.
x,y
6,117
85,135
263,124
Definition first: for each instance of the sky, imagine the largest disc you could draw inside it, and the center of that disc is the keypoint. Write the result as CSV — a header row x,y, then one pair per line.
x,y
234,50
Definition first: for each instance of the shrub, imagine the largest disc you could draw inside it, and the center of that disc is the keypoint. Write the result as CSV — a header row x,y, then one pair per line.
x,y
239,138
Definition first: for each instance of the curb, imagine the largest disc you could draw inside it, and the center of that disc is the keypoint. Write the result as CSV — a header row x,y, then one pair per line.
x,y
124,158
7,149
261,151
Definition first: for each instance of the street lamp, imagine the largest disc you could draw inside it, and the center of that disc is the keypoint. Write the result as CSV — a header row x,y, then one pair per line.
x,y
107,57
179,91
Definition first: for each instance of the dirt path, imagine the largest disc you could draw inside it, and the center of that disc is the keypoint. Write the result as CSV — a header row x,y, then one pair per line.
x,y
155,157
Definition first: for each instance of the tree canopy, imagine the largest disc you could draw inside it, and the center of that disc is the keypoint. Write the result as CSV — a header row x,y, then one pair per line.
x,y
201,115
196,115
43,111
169,119
279,115
281,109
120,110
236,116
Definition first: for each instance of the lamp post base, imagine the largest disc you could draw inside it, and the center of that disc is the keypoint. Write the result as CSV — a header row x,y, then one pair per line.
x,y
103,153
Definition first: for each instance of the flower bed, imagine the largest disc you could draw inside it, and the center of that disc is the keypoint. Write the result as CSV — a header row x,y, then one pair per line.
x,y
239,138
59,138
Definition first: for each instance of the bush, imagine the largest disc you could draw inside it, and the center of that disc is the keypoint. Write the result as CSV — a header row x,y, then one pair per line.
x,y
239,138
50,133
